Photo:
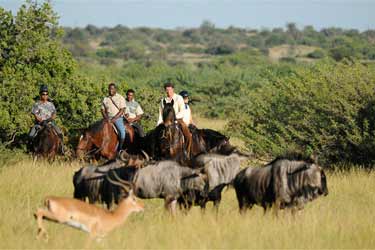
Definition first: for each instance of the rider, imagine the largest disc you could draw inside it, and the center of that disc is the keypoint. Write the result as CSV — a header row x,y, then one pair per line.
x,y
133,112
178,106
188,120
113,108
44,112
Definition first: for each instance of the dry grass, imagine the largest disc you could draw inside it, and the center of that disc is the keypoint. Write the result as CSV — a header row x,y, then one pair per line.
x,y
343,219
281,51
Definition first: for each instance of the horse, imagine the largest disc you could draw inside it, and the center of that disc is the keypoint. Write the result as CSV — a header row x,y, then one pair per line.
x,y
166,141
46,143
100,140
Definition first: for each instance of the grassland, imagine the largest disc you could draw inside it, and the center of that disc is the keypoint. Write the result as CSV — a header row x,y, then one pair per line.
x,y
343,219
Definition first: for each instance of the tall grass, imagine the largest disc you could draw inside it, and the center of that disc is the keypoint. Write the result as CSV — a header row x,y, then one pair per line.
x,y
343,219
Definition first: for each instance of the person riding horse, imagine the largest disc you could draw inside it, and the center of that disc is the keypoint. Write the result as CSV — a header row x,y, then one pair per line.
x,y
44,113
113,108
187,118
134,112
178,106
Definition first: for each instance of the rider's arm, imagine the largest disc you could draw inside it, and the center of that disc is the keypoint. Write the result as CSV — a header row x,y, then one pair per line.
x,y
122,107
191,117
181,107
34,111
160,119
104,111
53,115
119,114
139,113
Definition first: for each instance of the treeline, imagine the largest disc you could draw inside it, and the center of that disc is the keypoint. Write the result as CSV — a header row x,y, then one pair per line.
x,y
325,107
147,44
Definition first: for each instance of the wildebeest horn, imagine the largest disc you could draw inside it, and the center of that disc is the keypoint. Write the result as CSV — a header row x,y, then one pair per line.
x,y
123,154
146,155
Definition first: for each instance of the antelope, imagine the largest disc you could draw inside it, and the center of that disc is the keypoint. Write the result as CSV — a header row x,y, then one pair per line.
x,y
96,221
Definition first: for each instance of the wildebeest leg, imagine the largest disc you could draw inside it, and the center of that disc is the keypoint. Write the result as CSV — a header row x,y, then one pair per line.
x,y
276,207
35,158
170,205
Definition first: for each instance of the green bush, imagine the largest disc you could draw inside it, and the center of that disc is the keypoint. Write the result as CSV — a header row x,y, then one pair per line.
x,y
327,108
316,54
32,55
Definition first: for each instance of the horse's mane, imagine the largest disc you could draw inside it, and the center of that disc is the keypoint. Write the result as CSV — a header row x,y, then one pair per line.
x,y
294,156
96,127
168,108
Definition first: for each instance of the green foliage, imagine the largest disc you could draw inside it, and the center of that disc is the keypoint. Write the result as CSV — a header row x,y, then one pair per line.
x,y
327,108
316,54
32,55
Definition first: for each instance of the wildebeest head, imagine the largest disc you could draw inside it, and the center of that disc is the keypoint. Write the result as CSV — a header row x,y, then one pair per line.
x,y
138,160
315,178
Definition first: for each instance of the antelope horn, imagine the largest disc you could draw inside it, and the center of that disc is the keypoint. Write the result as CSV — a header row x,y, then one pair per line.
x,y
146,155
125,187
128,183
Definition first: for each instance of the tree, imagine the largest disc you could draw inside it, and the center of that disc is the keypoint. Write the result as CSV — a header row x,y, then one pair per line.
x,y
32,54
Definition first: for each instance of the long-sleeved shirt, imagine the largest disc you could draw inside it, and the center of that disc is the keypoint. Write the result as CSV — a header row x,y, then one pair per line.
x,y
178,106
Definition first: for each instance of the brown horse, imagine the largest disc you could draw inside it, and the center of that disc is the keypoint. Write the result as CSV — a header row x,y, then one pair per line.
x,y
46,143
100,140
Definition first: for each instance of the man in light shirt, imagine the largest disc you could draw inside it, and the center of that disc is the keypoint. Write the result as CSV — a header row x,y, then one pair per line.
x,y
178,106
113,108
133,112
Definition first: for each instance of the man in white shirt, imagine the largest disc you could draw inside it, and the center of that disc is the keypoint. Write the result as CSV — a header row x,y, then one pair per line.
x,y
133,112
113,108
178,106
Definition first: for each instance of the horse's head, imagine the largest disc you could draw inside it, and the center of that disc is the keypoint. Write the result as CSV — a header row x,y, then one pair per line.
x,y
46,141
169,116
172,142
84,144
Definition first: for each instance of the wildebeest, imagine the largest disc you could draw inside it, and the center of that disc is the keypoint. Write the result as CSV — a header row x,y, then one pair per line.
x,y
159,180
220,170
286,182
89,182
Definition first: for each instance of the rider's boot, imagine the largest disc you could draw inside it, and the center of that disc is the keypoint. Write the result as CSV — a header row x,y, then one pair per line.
x,y
120,144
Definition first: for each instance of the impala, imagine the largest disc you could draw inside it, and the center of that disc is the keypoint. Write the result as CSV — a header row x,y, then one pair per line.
x,y
96,221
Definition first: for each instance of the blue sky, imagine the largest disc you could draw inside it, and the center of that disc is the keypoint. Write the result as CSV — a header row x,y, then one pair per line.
x,y
357,14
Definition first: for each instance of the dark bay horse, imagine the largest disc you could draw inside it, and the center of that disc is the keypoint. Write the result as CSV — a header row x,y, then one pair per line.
x,y
169,137
100,140
47,143
167,140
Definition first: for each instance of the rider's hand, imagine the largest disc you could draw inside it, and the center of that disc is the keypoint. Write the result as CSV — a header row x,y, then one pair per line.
x,y
39,119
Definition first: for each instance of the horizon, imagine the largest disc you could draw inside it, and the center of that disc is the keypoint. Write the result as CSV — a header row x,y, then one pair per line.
x,y
251,14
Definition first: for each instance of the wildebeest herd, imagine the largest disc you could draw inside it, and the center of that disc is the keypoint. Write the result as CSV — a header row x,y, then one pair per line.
x,y
184,180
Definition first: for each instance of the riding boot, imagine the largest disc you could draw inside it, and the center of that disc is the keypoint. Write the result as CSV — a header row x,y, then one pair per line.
x,y
120,145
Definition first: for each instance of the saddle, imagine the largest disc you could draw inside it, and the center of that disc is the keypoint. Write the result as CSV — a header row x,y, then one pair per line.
x,y
40,127
130,131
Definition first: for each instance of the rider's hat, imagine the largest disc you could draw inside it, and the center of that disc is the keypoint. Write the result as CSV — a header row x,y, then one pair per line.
x,y
43,88
184,94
